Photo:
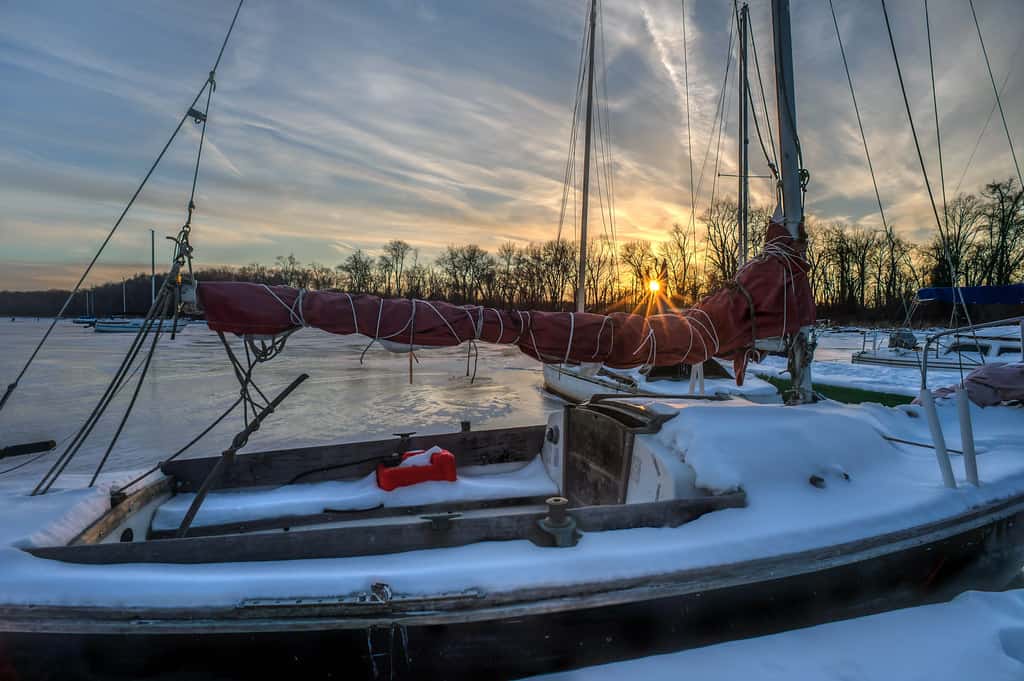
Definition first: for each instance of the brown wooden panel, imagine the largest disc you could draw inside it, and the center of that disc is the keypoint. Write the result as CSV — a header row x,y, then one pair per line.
x,y
280,467
384,539
598,453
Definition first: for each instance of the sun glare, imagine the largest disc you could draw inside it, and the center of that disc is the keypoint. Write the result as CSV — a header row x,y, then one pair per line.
x,y
653,286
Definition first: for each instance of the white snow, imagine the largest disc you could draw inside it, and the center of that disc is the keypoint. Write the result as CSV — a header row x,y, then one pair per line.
x,y
230,506
890,487
876,378
975,636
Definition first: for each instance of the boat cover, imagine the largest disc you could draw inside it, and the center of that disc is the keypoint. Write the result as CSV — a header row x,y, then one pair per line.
x,y
976,295
769,297
992,384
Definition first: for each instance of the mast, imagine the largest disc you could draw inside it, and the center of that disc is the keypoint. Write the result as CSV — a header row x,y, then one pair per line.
x,y
152,266
801,349
581,282
124,297
743,203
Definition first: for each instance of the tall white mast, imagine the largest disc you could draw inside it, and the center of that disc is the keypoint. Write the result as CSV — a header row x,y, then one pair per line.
x,y
581,281
800,350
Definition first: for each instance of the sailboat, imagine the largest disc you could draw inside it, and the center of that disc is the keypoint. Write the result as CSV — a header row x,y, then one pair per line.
x,y
967,350
124,324
621,526
580,382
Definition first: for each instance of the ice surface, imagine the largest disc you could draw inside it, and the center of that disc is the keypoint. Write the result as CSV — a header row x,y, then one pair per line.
x,y
975,636
191,383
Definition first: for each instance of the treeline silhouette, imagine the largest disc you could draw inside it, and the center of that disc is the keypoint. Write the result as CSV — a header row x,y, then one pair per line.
x,y
858,273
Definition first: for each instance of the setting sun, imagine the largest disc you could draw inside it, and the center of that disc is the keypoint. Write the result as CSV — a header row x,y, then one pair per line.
x,y
653,286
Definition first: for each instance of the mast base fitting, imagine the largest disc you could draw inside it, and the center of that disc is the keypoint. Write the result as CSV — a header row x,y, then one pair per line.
x,y
558,524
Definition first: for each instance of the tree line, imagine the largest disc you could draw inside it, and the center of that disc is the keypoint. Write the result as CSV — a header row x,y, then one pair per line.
x,y
856,272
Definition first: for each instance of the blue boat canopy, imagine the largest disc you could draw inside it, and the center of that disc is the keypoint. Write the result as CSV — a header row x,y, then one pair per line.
x,y
976,295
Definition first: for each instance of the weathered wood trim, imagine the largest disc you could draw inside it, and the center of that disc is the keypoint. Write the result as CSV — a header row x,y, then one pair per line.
x,y
364,540
990,519
332,516
279,467
118,514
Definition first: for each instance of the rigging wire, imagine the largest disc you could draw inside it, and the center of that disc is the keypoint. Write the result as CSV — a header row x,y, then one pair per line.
x,y
995,90
182,450
764,102
610,160
716,121
935,108
719,109
924,171
856,110
689,142
988,121
67,302
569,178
158,309
910,118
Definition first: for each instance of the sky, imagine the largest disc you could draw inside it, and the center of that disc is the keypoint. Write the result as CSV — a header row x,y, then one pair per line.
x,y
342,125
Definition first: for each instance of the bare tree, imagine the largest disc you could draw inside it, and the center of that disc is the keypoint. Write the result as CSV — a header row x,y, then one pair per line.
x,y
723,244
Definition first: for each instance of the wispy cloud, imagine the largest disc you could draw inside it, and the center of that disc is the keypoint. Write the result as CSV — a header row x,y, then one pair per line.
x,y
336,127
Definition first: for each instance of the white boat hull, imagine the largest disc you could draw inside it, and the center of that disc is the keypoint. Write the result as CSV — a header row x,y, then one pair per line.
x,y
570,383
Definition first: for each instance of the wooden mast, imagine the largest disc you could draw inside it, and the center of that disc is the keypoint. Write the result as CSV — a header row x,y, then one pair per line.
x,y
581,281
801,349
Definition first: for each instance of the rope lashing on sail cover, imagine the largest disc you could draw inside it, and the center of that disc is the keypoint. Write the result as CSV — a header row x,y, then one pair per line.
x,y
775,280
168,297
11,387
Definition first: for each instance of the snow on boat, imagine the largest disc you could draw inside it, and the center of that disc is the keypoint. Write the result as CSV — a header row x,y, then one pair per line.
x,y
685,524
968,350
980,346
582,382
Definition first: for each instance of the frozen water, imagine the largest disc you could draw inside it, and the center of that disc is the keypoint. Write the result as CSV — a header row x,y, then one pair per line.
x,y
191,383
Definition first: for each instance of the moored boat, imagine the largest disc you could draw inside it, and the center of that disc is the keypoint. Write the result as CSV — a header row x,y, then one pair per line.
x,y
622,525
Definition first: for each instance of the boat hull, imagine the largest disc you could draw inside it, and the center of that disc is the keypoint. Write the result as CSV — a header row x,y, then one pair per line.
x,y
573,386
914,361
984,551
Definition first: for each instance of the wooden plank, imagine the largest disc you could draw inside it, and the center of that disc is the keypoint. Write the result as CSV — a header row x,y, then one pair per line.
x,y
333,516
280,467
388,538
116,515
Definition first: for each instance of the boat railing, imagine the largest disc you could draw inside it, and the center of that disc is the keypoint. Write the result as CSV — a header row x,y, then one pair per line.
x,y
963,407
933,338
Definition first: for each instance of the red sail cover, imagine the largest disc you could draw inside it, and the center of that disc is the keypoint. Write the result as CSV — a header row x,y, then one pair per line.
x,y
769,297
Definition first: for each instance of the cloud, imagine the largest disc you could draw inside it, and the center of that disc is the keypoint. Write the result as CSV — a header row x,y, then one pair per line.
x,y
337,127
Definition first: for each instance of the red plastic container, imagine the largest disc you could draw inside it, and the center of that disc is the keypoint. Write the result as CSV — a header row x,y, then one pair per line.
x,y
441,468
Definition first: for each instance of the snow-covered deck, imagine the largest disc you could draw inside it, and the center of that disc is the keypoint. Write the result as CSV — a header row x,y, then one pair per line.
x,y
769,451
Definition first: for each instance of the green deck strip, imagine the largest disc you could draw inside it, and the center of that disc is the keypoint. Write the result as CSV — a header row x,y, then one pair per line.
x,y
843,394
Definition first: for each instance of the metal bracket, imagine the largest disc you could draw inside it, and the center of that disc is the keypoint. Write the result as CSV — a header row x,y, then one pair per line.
x,y
196,116
441,522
